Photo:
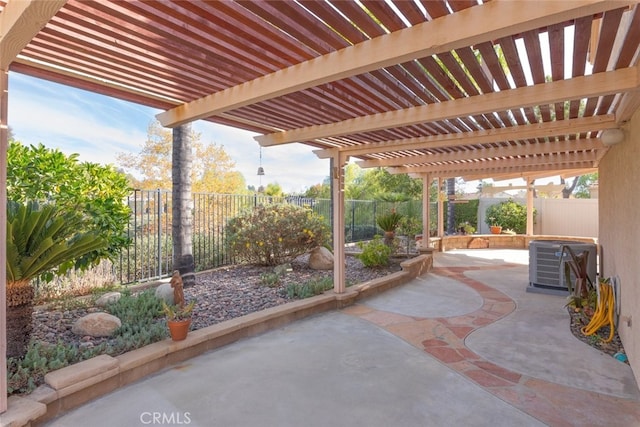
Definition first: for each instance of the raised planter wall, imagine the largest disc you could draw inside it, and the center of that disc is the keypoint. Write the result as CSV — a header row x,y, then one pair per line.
x,y
75,385
495,241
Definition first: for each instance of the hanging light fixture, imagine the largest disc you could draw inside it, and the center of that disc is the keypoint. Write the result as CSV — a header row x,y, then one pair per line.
x,y
260,168
260,173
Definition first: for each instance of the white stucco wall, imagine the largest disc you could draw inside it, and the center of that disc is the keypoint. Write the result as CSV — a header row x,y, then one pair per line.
x,y
619,231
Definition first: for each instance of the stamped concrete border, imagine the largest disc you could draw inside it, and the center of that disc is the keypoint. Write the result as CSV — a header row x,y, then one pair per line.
x,y
74,385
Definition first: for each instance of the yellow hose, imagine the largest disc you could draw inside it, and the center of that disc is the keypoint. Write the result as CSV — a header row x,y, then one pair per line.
x,y
604,312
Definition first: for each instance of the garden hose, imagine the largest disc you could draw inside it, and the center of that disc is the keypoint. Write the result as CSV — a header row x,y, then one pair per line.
x,y
604,313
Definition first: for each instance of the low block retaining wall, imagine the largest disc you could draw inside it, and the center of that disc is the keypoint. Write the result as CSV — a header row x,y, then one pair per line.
x,y
495,241
74,385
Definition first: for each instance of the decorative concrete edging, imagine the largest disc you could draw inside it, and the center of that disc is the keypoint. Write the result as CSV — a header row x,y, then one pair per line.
x,y
74,385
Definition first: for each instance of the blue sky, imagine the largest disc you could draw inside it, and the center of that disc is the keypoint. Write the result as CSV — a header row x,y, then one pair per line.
x,y
97,128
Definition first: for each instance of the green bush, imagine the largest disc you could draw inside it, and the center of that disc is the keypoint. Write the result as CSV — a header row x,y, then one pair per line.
x,y
310,288
389,221
375,253
274,234
509,215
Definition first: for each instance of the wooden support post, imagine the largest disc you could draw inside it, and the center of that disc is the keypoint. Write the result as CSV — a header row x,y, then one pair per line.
x,y
4,136
338,162
440,209
426,211
529,206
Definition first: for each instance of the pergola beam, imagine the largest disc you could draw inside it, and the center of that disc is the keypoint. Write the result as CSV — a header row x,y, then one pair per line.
x,y
533,175
20,22
473,25
558,161
595,85
505,173
536,130
551,147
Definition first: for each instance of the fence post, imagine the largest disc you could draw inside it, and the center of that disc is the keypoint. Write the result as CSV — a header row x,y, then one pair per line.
x,y
159,232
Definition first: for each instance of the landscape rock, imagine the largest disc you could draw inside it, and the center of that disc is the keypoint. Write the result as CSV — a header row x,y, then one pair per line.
x,y
165,292
96,325
321,258
108,298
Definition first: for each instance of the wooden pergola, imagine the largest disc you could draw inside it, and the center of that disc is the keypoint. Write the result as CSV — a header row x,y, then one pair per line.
x,y
436,88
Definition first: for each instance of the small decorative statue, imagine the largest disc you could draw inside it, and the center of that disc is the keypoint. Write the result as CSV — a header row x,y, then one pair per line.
x,y
176,284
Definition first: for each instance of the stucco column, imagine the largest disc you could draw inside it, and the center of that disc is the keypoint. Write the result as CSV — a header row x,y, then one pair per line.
x,y
529,207
4,135
338,162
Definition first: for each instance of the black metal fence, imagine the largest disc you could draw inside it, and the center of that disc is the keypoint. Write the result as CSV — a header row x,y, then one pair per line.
x,y
149,256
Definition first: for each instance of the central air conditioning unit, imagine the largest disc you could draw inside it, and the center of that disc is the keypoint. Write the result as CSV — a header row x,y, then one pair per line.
x,y
547,265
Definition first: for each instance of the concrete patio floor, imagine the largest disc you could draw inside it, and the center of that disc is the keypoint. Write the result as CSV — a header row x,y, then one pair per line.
x,y
462,345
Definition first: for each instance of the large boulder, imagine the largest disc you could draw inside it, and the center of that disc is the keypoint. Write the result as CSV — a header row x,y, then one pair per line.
x,y
165,292
96,325
321,258
108,298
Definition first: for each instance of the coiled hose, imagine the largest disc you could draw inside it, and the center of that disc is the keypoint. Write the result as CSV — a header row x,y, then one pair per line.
x,y
604,313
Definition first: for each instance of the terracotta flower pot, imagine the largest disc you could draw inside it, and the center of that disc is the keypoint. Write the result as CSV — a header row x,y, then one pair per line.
x,y
496,229
178,329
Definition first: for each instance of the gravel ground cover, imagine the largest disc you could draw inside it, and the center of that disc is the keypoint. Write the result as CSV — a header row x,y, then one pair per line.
x,y
221,294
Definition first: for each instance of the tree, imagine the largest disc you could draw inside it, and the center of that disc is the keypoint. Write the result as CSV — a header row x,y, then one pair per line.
x,y
153,163
582,183
318,191
41,240
212,171
181,224
97,192
273,189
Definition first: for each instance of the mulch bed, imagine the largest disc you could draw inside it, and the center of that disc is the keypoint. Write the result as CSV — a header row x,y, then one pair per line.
x,y
579,319
221,294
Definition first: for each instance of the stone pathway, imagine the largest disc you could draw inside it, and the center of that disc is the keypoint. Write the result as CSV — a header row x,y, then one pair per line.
x,y
444,339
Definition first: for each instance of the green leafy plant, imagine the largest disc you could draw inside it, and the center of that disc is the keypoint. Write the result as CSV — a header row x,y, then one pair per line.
x,y
310,288
410,226
375,253
466,228
26,373
389,222
270,279
177,312
508,215
141,325
96,192
42,241
275,234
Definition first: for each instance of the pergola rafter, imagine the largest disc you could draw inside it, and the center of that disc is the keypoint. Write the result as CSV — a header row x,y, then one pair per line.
x,y
435,89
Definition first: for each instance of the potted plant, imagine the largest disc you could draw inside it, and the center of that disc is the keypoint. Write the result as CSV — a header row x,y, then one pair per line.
x,y
389,223
178,319
494,226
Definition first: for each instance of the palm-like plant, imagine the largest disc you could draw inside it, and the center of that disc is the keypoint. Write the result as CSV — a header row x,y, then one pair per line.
x,y
40,240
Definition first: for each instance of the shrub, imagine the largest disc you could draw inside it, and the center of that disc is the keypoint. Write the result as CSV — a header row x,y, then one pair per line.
x,y
274,234
375,253
310,288
508,215
389,222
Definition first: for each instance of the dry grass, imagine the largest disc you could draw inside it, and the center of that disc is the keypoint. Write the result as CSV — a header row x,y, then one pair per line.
x,y
76,283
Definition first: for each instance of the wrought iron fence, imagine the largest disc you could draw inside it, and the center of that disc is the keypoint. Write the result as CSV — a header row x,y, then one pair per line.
x,y
149,257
